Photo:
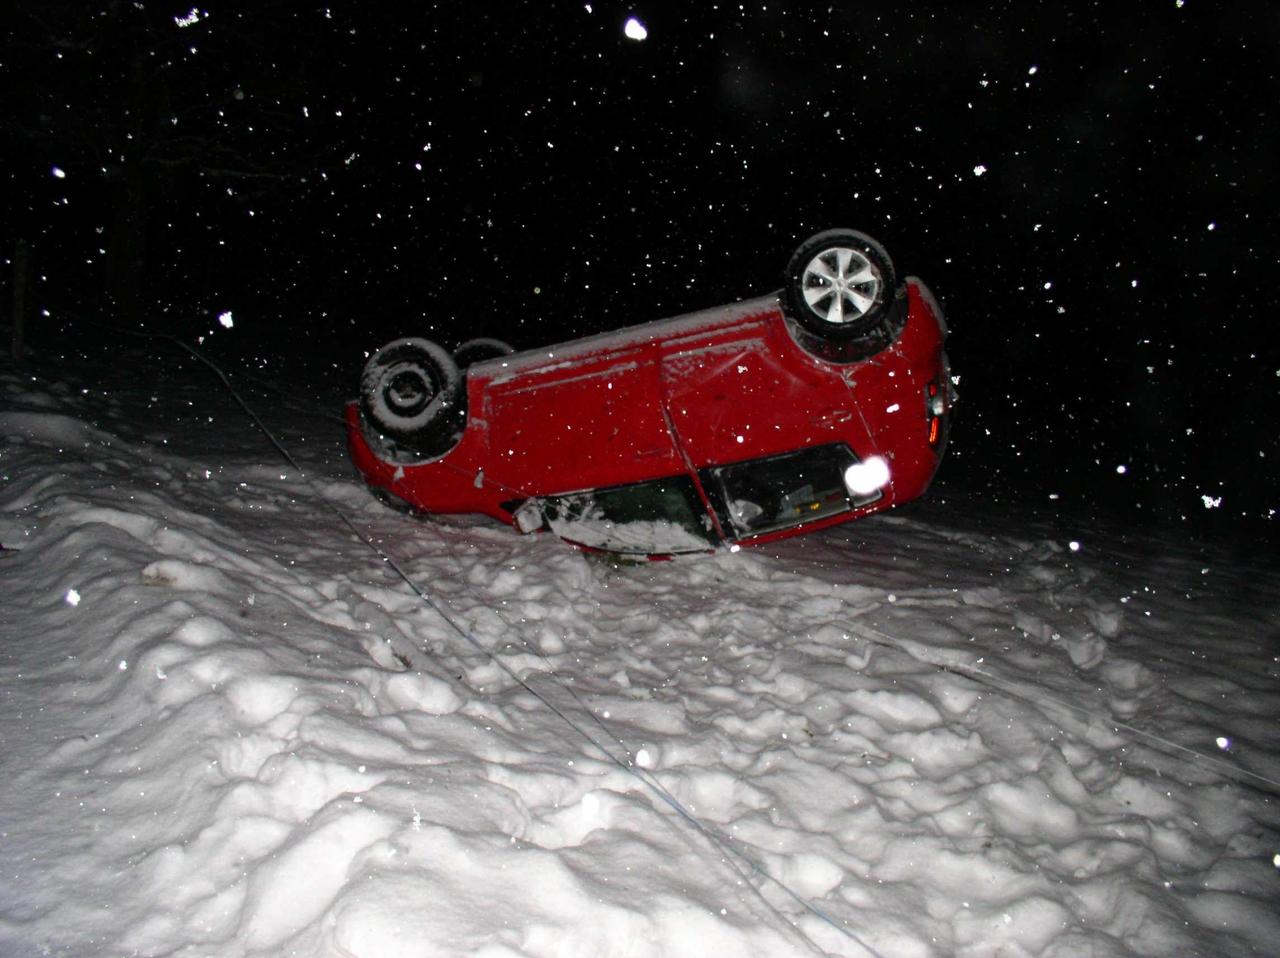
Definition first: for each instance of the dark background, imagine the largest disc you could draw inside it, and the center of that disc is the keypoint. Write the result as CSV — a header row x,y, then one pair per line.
x,y
1089,188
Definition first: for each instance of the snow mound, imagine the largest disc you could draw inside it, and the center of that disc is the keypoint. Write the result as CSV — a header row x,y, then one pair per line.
x,y
230,730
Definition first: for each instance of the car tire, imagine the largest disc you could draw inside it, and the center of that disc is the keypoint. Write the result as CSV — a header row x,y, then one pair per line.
x,y
840,285
478,350
411,392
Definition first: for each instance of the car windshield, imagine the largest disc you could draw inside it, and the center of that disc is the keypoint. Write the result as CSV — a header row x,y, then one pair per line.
x,y
659,517
778,492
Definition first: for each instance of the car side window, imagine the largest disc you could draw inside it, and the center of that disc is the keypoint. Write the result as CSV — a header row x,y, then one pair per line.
x,y
658,517
777,492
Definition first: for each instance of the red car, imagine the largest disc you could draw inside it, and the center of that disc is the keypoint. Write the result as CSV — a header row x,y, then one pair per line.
x,y
738,425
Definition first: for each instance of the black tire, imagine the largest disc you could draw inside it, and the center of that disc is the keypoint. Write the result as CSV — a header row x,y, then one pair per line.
x,y
412,392
478,350
839,285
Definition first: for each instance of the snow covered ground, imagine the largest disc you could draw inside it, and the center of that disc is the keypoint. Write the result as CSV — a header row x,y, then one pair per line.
x,y
228,728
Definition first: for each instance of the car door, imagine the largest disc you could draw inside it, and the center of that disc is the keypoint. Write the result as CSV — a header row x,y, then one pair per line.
x,y
595,422
755,395
767,430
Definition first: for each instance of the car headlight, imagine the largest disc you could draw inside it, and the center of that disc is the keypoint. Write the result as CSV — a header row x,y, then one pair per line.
x,y
864,478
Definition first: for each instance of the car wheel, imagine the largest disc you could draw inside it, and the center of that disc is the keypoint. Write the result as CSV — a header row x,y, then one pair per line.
x,y
839,285
411,391
478,350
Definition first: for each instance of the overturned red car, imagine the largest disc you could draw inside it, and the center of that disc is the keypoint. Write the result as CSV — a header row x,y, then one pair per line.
x,y
824,402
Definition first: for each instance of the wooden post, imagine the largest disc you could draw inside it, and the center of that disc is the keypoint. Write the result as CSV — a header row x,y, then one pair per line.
x,y
21,256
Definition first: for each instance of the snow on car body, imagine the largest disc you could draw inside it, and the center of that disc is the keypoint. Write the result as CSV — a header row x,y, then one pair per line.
x,y
734,425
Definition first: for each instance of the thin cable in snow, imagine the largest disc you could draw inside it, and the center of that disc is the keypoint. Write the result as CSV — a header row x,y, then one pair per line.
x,y
721,841
724,842
715,835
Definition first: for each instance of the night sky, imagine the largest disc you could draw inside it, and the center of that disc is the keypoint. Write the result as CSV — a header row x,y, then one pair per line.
x,y
1089,188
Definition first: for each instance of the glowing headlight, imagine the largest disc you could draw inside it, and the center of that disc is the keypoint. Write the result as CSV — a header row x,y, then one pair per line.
x,y
864,478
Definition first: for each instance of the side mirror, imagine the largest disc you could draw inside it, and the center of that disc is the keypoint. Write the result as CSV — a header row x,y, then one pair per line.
x,y
529,516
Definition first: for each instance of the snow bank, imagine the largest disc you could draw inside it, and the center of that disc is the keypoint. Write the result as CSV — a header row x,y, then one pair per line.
x,y
944,731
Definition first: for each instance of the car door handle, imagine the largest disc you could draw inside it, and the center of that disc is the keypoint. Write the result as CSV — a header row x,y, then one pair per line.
x,y
830,418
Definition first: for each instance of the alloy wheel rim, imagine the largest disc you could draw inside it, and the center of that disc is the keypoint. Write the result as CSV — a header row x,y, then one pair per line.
x,y
840,285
